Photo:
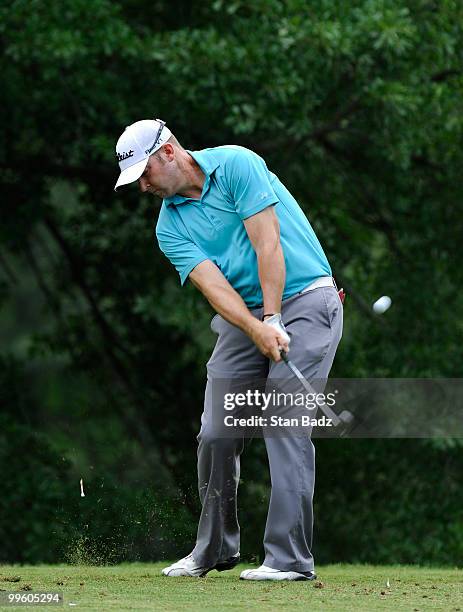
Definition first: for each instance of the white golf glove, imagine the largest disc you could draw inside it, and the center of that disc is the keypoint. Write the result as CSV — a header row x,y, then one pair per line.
x,y
276,322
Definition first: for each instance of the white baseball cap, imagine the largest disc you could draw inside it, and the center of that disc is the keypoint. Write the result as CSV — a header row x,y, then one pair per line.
x,y
137,143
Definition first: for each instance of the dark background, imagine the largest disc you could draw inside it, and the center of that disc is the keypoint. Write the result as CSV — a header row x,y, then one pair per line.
x,y
357,107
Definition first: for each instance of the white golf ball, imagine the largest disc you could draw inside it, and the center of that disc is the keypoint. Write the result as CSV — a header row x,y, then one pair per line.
x,y
382,304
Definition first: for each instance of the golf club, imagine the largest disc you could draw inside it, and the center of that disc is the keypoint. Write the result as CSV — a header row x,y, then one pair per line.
x,y
344,417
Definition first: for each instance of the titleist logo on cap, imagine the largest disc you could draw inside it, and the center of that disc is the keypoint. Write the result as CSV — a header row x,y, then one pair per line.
x,y
125,155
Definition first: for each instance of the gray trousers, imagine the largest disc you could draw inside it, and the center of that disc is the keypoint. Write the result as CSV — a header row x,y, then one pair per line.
x,y
314,322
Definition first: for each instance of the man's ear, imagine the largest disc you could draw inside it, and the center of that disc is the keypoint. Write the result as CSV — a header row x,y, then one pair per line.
x,y
168,150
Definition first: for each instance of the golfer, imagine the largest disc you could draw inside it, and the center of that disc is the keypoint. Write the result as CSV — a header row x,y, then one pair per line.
x,y
230,226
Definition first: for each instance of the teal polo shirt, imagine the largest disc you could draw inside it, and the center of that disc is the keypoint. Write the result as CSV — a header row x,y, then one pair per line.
x,y
238,185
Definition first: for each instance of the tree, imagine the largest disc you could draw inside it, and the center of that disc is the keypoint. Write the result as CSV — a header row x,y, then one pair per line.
x,y
356,107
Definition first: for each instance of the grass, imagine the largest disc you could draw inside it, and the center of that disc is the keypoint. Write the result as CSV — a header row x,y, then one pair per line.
x,y
139,586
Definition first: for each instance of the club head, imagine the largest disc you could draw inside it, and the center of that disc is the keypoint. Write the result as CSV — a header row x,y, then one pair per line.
x,y
346,417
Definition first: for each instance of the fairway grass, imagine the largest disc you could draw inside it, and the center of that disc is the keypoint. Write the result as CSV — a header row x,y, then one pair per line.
x,y
140,586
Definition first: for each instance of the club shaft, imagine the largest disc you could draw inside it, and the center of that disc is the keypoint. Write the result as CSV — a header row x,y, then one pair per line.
x,y
308,387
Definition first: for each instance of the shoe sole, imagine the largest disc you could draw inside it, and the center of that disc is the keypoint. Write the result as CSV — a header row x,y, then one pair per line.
x,y
302,577
220,567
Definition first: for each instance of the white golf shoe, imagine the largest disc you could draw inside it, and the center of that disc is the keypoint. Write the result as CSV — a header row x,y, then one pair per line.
x,y
268,573
188,567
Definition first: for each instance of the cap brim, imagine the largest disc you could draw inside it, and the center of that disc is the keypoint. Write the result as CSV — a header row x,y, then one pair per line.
x,y
131,174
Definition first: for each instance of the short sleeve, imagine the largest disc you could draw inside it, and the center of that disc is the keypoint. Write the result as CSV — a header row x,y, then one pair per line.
x,y
182,252
249,182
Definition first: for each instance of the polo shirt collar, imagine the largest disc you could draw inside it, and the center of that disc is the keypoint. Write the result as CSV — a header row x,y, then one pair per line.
x,y
208,164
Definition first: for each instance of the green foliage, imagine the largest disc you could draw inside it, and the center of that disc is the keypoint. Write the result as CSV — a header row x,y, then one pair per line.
x,y
44,519
356,106
398,501
114,523
33,477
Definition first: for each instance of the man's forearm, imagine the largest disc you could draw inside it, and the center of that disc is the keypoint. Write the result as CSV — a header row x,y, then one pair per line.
x,y
222,297
272,275
231,306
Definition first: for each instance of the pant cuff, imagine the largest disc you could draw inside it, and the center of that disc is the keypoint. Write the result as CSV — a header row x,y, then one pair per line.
x,y
295,567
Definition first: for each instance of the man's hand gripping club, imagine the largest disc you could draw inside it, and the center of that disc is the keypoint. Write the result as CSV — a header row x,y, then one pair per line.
x,y
271,338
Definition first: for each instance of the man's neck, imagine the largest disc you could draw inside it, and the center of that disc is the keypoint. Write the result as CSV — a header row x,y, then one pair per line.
x,y
194,179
